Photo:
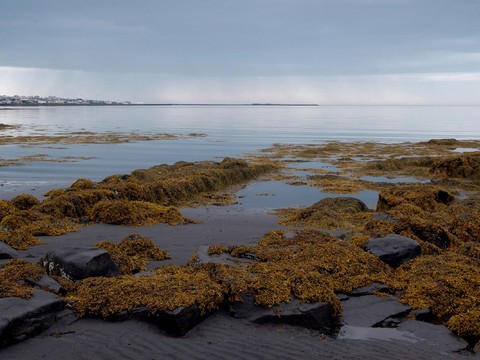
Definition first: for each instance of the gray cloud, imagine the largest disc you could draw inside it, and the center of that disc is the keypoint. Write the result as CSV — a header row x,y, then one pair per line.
x,y
149,43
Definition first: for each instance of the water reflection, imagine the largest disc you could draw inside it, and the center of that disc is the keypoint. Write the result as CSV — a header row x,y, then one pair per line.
x,y
270,195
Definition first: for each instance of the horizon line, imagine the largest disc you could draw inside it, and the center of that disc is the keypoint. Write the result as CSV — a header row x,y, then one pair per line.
x,y
230,104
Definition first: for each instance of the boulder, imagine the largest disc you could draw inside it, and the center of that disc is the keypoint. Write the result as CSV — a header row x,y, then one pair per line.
x,y
316,316
371,310
24,318
7,252
76,263
393,249
425,315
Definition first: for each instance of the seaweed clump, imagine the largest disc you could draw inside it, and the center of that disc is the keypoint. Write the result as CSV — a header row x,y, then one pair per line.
x,y
20,227
449,285
304,266
169,288
13,273
430,215
121,212
329,213
309,262
133,252
466,166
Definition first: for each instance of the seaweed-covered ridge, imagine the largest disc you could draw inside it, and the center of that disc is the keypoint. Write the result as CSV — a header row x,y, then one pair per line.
x,y
144,197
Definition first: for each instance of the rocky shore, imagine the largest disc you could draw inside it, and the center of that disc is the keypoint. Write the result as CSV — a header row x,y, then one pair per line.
x,y
331,280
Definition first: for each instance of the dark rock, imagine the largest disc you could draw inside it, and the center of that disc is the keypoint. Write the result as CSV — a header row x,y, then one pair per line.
x,y
317,316
391,322
372,310
21,318
342,297
393,249
47,283
429,232
369,290
423,315
7,252
78,263
176,322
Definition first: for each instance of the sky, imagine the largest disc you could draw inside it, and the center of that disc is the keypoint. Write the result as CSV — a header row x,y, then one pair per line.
x,y
242,51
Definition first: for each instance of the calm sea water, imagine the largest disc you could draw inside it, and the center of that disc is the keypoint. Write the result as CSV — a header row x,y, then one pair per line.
x,y
230,130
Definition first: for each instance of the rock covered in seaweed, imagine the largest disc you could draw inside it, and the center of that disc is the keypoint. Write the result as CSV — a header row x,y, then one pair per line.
x,y
465,166
329,213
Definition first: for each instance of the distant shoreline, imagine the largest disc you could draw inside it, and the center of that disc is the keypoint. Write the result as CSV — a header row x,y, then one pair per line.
x,y
10,106
152,104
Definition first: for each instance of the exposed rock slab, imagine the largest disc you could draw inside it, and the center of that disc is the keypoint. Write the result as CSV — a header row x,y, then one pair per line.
x,y
46,282
7,252
437,336
393,249
317,316
371,310
369,290
22,318
76,263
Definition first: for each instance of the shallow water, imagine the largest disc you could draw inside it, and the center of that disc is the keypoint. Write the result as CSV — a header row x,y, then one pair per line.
x,y
394,180
465,150
230,130
269,195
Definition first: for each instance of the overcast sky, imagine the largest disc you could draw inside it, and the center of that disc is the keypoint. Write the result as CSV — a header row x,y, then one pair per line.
x,y
320,51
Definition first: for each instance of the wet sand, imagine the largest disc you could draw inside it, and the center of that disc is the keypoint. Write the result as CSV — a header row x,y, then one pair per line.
x,y
218,337
230,225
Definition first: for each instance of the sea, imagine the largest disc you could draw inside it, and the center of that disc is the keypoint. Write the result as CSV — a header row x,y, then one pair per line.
x,y
228,130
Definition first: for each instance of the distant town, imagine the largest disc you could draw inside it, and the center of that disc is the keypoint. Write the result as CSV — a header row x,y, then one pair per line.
x,y
18,100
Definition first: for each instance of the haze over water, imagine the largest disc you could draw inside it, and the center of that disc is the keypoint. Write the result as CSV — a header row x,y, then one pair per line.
x,y
230,130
